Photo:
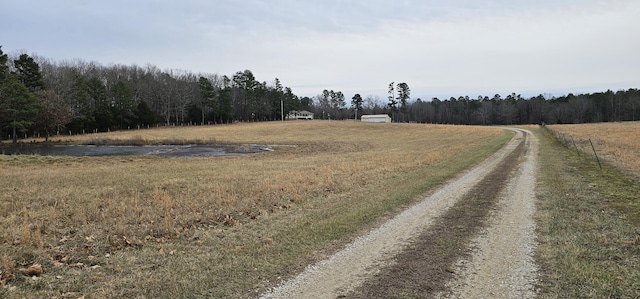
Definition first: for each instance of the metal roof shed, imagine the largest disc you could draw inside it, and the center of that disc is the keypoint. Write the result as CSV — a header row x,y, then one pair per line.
x,y
376,118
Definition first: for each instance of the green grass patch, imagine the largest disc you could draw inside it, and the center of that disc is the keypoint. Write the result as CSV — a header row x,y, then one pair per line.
x,y
588,229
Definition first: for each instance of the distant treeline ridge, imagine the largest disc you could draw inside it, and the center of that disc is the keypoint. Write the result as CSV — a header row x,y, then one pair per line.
x,y
40,96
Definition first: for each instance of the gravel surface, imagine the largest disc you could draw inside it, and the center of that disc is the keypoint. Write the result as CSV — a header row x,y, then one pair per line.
x,y
502,264
359,260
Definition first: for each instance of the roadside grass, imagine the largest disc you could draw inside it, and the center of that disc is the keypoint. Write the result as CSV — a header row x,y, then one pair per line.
x,y
149,227
588,226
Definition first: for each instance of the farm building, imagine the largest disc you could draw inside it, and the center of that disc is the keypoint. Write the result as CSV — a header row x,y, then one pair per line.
x,y
300,115
376,118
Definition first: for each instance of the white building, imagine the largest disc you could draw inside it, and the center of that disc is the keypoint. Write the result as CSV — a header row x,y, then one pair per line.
x,y
300,115
376,118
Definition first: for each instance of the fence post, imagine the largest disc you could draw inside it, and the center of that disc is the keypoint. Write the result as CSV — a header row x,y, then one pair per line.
x,y
594,151
574,145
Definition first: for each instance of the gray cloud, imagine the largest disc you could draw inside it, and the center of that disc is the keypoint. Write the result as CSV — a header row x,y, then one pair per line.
x,y
440,48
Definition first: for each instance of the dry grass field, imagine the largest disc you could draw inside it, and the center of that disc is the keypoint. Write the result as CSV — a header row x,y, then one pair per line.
x,y
151,227
616,143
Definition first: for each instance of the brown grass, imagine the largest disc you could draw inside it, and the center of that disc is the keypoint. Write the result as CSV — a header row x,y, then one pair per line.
x,y
615,143
151,227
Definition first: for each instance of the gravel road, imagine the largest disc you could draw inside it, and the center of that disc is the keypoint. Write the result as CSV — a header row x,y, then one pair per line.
x,y
501,265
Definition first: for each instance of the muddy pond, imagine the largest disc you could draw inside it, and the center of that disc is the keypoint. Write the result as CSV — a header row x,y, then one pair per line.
x,y
147,150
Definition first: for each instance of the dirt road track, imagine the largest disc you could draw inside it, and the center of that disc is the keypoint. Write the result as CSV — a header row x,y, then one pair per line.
x,y
502,263
507,243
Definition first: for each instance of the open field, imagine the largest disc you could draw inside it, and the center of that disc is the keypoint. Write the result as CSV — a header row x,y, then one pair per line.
x,y
150,227
616,143
588,218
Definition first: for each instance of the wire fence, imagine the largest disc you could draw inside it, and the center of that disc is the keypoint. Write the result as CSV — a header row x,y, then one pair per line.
x,y
581,145
616,145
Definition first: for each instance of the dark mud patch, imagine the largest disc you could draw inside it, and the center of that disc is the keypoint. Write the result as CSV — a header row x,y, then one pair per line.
x,y
423,268
147,150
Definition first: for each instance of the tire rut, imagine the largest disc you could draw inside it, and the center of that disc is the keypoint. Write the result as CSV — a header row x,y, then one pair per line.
x,y
422,269
365,267
502,261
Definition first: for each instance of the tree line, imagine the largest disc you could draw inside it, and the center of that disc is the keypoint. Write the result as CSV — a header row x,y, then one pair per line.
x,y
39,96
609,106
513,109
100,98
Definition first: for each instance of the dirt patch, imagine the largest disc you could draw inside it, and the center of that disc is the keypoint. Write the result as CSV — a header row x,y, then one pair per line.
x,y
424,267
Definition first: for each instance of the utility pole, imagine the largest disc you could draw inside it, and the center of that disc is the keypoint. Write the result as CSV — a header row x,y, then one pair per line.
x,y
281,109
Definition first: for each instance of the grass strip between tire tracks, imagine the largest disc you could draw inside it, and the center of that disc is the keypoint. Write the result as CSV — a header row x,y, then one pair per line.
x,y
424,267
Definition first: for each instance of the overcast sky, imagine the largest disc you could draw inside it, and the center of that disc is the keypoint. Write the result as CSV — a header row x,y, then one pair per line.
x,y
440,48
